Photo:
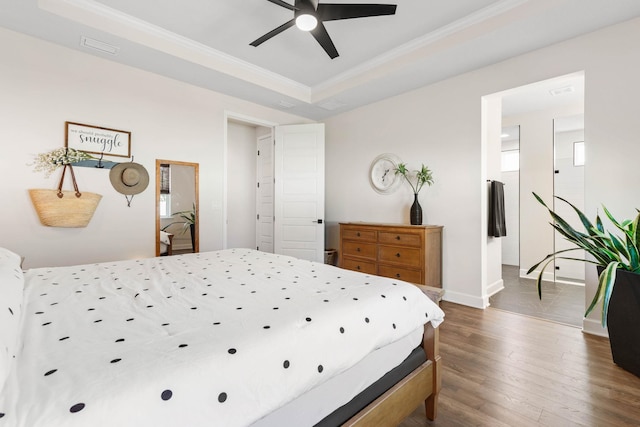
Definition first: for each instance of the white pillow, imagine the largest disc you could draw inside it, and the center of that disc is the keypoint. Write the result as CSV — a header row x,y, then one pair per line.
x,y
11,290
164,237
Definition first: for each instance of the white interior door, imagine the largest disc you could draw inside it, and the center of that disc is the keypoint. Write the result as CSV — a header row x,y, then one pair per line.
x,y
299,191
264,194
568,183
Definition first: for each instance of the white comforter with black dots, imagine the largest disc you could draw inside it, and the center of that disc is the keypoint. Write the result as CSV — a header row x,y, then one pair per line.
x,y
212,339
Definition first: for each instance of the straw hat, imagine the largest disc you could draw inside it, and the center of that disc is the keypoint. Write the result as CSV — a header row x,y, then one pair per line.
x,y
129,178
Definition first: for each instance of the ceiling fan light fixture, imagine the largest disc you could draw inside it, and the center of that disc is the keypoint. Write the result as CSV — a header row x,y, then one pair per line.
x,y
306,22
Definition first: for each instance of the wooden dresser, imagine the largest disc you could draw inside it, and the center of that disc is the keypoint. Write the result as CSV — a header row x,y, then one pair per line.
x,y
412,253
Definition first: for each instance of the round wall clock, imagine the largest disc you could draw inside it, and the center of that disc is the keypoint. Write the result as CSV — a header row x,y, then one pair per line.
x,y
382,173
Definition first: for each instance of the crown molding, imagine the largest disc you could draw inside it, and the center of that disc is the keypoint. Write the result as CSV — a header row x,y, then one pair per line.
x,y
99,16
400,55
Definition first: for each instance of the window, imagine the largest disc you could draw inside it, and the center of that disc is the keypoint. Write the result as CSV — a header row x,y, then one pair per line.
x,y
165,179
510,160
165,205
578,153
165,191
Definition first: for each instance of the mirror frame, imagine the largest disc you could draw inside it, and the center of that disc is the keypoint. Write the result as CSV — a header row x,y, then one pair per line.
x,y
196,167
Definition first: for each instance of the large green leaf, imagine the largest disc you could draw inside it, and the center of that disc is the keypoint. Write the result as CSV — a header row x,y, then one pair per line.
x,y
609,279
583,218
635,233
609,250
549,256
612,219
539,280
605,287
619,246
599,224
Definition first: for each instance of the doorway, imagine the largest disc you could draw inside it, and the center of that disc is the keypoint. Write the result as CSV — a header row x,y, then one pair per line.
x,y
245,215
534,113
295,172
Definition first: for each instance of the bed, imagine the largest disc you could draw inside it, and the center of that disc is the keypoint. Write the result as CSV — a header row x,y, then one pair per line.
x,y
226,338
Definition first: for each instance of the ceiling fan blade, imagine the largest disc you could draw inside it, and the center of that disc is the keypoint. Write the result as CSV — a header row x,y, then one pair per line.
x,y
283,4
335,11
321,35
275,32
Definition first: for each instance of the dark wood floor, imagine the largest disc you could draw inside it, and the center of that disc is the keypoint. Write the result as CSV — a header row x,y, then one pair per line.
x,y
506,369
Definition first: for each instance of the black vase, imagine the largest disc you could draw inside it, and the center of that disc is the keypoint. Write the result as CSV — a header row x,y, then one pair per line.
x,y
416,211
192,228
623,319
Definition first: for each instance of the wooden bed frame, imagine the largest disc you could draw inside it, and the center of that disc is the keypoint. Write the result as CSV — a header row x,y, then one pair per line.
x,y
421,385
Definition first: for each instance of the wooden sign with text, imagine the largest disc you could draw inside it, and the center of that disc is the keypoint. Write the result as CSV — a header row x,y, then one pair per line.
x,y
98,140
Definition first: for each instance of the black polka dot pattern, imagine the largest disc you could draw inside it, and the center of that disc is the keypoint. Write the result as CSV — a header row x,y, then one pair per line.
x,y
77,407
176,320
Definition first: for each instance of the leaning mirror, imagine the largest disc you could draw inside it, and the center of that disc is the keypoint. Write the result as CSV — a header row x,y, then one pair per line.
x,y
177,207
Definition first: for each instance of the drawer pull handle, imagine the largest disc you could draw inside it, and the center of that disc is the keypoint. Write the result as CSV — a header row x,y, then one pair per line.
x,y
397,237
358,234
357,249
398,254
358,267
397,275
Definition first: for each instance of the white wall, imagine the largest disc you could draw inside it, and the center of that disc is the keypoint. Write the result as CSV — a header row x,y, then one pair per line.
x,y
511,180
492,161
42,85
440,126
241,182
511,242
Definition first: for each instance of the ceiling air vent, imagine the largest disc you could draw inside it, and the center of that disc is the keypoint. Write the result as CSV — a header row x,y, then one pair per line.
x,y
562,90
332,105
98,45
285,105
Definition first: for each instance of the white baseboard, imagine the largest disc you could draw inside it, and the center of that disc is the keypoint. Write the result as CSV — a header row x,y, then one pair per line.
x,y
465,299
495,287
594,327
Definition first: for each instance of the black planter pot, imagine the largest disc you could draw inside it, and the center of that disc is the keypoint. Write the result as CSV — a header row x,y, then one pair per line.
x,y
192,228
623,321
416,211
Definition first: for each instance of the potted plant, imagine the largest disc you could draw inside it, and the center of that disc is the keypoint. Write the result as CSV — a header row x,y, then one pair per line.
x,y
422,176
188,223
618,262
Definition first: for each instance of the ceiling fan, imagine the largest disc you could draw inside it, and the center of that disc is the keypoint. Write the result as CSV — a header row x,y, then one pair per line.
x,y
309,15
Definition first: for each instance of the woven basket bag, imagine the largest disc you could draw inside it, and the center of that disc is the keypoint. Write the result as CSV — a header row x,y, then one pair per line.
x,y
70,209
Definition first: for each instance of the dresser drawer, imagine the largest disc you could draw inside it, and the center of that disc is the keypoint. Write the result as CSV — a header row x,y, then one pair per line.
x,y
412,253
410,257
359,249
359,234
408,275
359,265
400,239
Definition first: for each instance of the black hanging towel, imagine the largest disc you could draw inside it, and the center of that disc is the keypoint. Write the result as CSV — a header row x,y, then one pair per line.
x,y
497,226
